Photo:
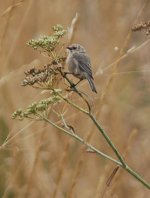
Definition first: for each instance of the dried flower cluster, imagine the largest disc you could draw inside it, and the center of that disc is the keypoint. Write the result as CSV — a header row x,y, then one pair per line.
x,y
142,26
34,110
48,43
49,74
46,76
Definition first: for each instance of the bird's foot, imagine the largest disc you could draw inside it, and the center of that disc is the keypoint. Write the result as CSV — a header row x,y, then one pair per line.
x,y
66,73
72,86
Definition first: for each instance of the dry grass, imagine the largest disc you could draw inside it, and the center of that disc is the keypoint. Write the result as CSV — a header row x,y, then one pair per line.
x,y
39,161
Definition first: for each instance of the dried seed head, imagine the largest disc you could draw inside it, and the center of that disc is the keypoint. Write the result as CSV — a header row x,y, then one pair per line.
x,y
142,26
45,76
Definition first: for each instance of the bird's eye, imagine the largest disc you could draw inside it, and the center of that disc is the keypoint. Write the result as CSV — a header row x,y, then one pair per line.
x,y
74,48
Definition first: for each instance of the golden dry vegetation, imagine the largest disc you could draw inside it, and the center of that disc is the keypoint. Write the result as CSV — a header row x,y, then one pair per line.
x,y
36,159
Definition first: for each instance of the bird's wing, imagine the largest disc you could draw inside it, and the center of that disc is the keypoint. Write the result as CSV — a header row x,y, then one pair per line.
x,y
84,63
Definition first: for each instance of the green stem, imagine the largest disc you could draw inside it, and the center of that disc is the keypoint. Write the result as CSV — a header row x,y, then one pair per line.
x,y
108,140
122,164
99,128
79,139
73,104
137,176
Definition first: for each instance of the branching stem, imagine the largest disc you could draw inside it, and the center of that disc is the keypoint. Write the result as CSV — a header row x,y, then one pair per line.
x,y
98,152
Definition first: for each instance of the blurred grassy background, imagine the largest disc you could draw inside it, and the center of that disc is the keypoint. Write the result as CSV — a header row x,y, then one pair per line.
x,y
39,161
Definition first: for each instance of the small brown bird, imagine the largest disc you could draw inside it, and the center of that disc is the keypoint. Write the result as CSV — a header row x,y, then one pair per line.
x,y
79,64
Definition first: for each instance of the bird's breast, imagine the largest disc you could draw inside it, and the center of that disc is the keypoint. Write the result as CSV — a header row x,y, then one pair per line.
x,y
73,67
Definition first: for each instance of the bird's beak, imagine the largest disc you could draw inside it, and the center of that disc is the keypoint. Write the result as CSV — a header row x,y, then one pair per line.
x,y
69,48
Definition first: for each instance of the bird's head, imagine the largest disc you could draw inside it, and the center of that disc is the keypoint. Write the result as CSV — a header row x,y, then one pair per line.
x,y
76,48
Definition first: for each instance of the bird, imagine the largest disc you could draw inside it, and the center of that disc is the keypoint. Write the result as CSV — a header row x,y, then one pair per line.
x,y
79,64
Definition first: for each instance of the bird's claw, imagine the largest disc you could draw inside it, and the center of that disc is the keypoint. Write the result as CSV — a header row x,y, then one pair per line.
x,y
72,86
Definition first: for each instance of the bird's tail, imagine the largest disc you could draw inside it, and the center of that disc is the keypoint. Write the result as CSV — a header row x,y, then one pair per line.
x,y
91,83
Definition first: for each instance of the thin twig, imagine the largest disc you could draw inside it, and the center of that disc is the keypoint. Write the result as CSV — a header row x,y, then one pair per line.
x,y
103,132
79,139
99,128
72,28
122,164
